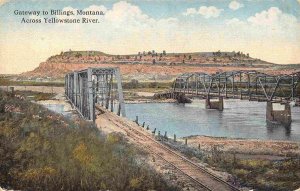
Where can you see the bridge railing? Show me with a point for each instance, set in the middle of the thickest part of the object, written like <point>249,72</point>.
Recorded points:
<point>251,84</point>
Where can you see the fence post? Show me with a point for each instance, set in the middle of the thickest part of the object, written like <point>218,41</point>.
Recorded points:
<point>154,131</point>
<point>165,136</point>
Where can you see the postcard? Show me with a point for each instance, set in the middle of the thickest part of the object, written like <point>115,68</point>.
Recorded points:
<point>150,95</point>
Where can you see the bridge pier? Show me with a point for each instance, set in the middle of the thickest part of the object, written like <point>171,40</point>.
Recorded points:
<point>219,105</point>
<point>278,117</point>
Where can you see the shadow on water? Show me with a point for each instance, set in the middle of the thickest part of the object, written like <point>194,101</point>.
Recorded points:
<point>279,129</point>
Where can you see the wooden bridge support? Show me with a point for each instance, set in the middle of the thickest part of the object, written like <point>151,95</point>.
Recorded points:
<point>278,117</point>
<point>219,105</point>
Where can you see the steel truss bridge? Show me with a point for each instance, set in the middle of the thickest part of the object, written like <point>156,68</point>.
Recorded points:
<point>92,86</point>
<point>252,85</point>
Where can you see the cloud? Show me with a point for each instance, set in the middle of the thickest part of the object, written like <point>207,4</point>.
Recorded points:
<point>209,12</point>
<point>272,22</point>
<point>125,29</point>
<point>235,5</point>
<point>126,12</point>
<point>273,17</point>
<point>234,21</point>
<point>191,11</point>
<point>206,12</point>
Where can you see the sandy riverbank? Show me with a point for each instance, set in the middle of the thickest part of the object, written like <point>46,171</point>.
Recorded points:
<point>150,101</point>
<point>261,148</point>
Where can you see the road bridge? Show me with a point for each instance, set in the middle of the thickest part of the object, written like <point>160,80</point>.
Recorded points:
<point>244,84</point>
<point>86,88</point>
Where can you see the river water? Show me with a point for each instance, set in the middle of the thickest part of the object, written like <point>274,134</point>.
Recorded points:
<point>240,119</point>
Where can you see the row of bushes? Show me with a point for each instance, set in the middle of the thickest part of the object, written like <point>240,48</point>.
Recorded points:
<point>41,150</point>
<point>134,84</point>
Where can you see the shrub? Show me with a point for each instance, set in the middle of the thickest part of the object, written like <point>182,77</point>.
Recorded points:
<point>41,150</point>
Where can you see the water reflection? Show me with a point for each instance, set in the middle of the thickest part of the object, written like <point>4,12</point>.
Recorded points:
<point>58,107</point>
<point>240,119</point>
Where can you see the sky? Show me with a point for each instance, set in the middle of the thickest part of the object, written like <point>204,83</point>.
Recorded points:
<point>266,29</point>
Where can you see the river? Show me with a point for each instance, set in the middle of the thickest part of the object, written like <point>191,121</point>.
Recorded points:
<point>240,119</point>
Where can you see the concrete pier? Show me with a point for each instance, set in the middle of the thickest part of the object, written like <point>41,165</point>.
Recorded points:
<point>219,105</point>
<point>280,116</point>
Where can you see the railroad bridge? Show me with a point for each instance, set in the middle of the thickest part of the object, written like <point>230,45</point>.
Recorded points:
<point>87,88</point>
<point>251,85</point>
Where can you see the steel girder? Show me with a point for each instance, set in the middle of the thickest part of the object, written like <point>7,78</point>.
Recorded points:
<point>249,84</point>
<point>92,86</point>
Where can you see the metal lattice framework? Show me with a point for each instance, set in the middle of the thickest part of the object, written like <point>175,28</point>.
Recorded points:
<point>92,86</point>
<point>253,85</point>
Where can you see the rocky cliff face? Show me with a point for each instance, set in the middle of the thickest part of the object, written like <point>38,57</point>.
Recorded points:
<point>151,67</point>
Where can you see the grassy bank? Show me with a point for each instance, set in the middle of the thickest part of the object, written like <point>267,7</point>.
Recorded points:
<point>6,81</point>
<point>35,96</point>
<point>41,150</point>
<point>253,173</point>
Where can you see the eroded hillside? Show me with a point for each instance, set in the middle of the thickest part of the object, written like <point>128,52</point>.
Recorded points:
<point>146,65</point>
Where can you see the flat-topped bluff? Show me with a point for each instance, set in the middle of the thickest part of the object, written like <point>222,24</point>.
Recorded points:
<point>146,65</point>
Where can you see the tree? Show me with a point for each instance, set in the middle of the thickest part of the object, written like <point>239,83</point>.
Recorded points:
<point>78,55</point>
<point>153,61</point>
<point>164,52</point>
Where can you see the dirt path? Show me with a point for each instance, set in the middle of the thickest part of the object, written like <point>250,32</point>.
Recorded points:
<point>198,176</point>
